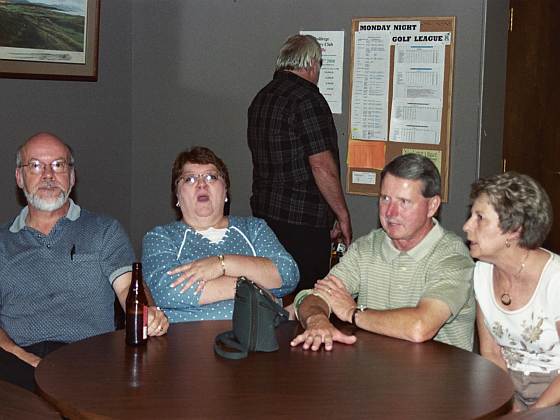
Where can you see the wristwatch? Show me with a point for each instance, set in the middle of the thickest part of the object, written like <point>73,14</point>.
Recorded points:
<point>359,308</point>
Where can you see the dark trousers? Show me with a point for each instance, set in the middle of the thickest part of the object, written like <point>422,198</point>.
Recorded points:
<point>17,372</point>
<point>309,246</point>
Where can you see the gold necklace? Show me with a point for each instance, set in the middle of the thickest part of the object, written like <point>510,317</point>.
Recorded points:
<point>506,298</point>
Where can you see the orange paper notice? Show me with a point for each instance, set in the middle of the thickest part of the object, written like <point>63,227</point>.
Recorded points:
<point>366,154</point>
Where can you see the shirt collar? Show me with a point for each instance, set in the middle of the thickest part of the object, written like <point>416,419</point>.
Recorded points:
<point>19,222</point>
<point>279,74</point>
<point>390,252</point>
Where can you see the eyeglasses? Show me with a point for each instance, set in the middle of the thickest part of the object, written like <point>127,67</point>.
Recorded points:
<point>207,177</point>
<point>58,166</point>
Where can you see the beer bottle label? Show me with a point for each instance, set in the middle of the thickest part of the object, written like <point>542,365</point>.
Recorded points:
<point>144,322</point>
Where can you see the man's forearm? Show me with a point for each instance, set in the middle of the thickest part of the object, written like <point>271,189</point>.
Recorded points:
<point>416,324</point>
<point>399,323</point>
<point>312,306</point>
<point>121,285</point>
<point>7,344</point>
<point>326,177</point>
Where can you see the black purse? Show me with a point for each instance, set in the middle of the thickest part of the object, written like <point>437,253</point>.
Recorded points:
<point>256,314</point>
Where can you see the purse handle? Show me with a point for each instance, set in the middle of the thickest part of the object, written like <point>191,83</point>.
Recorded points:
<point>228,339</point>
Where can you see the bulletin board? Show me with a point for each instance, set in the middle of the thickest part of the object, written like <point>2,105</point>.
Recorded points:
<point>401,78</point>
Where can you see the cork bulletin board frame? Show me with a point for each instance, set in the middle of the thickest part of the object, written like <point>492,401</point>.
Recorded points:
<point>410,109</point>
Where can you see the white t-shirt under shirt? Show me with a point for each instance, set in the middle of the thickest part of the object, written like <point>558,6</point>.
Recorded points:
<point>528,335</point>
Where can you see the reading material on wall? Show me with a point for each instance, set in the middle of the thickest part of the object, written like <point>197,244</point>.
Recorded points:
<point>401,75</point>
<point>330,77</point>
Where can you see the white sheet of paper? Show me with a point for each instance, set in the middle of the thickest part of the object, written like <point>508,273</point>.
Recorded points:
<point>417,93</point>
<point>370,90</point>
<point>363,177</point>
<point>330,78</point>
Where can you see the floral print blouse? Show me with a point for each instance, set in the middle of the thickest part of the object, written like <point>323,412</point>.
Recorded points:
<point>527,336</point>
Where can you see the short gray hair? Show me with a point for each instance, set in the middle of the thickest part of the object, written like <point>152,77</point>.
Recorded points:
<point>298,52</point>
<point>415,167</point>
<point>521,203</point>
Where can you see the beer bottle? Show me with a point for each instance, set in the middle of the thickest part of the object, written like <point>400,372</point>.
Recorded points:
<point>337,251</point>
<point>136,309</point>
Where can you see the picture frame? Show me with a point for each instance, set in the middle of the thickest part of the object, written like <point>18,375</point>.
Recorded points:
<point>52,64</point>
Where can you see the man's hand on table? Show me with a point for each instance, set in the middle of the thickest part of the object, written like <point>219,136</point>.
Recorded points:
<point>158,324</point>
<point>320,331</point>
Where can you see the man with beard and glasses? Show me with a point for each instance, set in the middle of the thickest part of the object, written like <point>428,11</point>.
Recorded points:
<point>412,278</point>
<point>60,265</point>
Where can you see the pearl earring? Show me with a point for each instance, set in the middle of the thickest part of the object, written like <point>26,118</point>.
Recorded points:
<point>507,243</point>
<point>226,200</point>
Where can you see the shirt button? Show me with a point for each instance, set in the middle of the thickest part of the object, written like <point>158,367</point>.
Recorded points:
<point>48,246</point>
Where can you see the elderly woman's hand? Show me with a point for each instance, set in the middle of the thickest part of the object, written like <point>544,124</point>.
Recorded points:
<point>202,270</point>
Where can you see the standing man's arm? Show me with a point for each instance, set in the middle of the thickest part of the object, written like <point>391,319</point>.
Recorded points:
<point>325,173</point>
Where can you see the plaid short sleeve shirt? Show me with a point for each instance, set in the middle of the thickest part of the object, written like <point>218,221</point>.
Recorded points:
<point>288,121</point>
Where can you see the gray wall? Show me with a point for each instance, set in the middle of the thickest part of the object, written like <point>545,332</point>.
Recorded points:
<point>198,64</point>
<point>94,118</point>
<point>177,73</point>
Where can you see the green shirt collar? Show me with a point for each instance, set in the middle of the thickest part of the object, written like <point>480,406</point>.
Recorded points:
<point>419,251</point>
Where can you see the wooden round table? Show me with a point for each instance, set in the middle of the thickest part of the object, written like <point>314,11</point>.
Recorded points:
<point>180,376</point>
<point>19,403</point>
<point>548,413</point>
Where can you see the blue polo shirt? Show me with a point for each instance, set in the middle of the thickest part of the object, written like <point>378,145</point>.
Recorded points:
<point>58,287</point>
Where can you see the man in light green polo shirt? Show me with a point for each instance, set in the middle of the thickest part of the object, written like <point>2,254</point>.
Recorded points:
<point>412,278</point>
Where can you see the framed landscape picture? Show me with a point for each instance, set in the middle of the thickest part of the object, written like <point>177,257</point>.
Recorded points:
<point>49,39</point>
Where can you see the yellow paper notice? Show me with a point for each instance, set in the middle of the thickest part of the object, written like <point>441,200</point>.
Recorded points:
<point>433,155</point>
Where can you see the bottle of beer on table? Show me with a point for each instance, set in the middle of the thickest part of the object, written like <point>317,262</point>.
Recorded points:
<point>136,309</point>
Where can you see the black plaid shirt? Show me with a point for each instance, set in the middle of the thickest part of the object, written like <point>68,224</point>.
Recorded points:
<point>289,120</point>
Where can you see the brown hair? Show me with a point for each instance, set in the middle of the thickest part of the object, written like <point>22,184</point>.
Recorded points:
<point>201,156</point>
<point>521,203</point>
<point>415,167</point>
